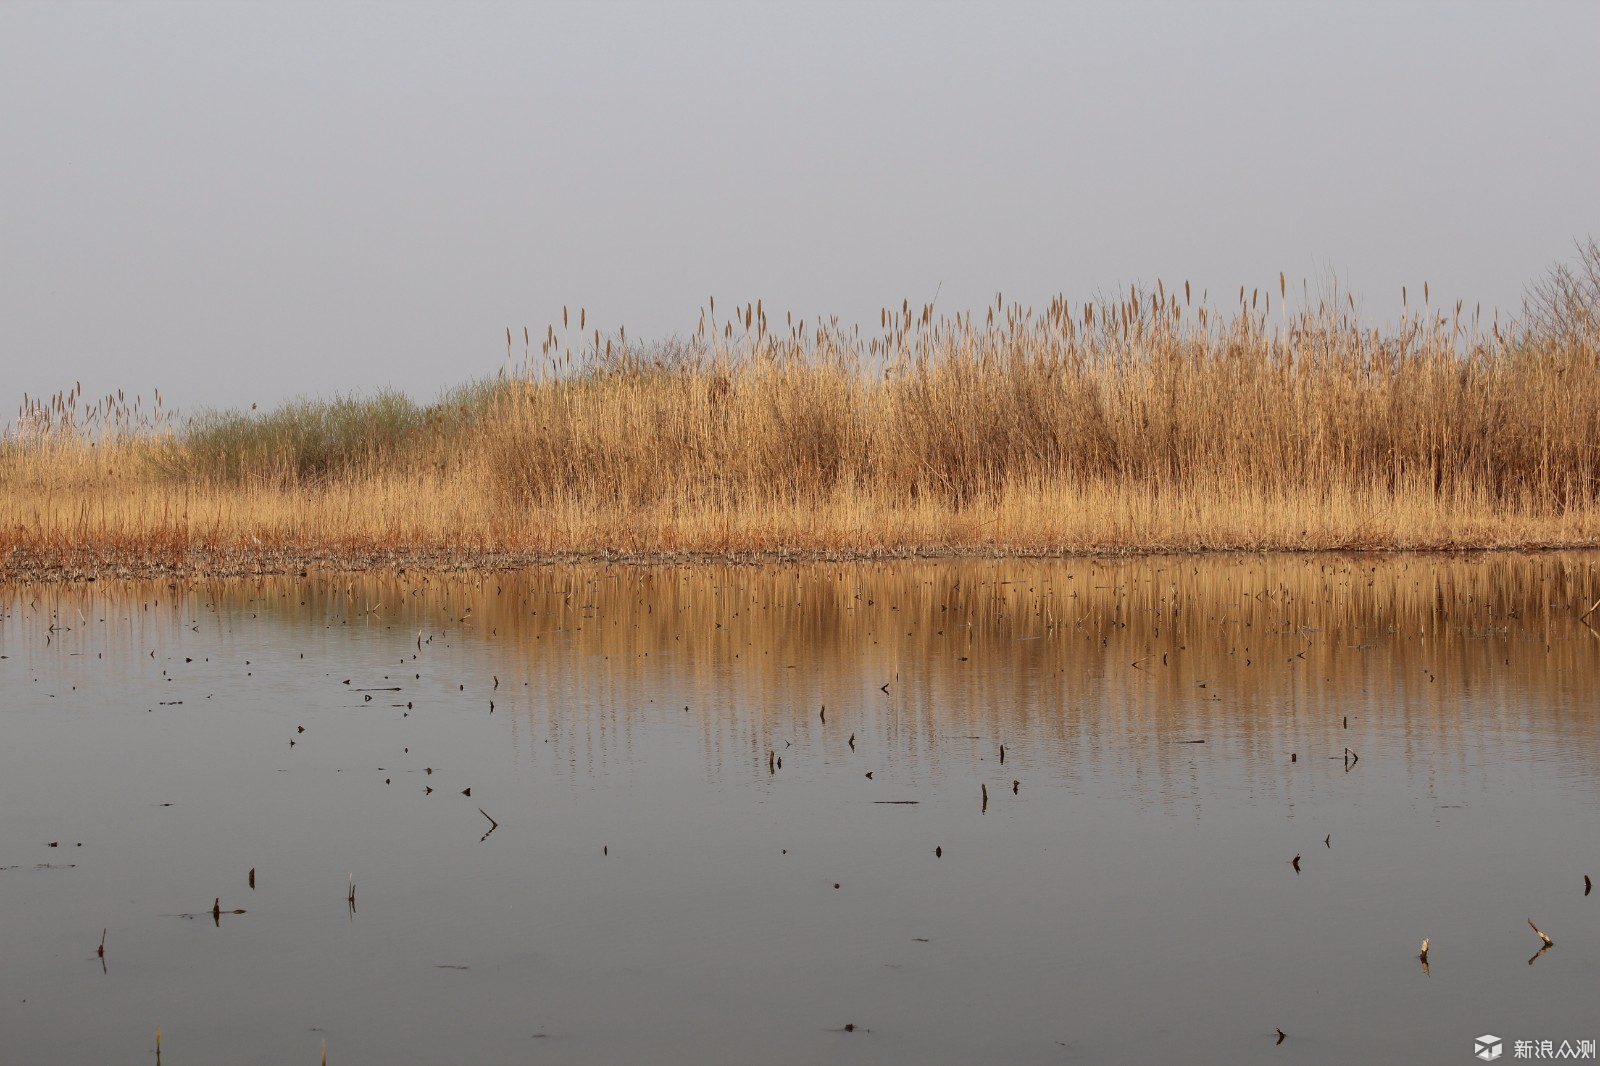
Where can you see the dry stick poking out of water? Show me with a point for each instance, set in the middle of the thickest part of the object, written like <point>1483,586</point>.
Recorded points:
<point>1590,611</point>
<point>1281,1035</point>
<point>252,878</point>
<point>1546,946</point>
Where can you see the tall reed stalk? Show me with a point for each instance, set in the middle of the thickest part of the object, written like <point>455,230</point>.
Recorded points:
<point>1143,422</point>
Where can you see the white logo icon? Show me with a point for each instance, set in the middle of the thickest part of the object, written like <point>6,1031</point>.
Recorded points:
<point>1487,1048</point>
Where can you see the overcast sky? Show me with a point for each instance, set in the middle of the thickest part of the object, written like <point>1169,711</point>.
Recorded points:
<point>240,203</point>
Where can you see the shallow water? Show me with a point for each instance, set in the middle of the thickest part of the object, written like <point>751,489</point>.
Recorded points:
<point>660,889</point>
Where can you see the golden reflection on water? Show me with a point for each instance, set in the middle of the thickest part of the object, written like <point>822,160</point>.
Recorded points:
<point>1270,654</point>
<point>1225,887</point>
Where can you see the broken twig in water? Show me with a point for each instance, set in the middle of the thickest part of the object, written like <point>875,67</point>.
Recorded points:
<point>1546,946</point>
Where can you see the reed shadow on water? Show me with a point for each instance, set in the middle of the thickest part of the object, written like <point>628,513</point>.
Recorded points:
<point>846,904</point>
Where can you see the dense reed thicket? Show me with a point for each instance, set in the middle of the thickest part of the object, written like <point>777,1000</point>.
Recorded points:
<point>1141,423</point>
<point>1134,394</point>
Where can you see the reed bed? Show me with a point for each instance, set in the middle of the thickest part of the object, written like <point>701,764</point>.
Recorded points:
<point>1143,423</point>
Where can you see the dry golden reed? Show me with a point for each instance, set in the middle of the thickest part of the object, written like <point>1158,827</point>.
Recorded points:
<point>1143,423</point>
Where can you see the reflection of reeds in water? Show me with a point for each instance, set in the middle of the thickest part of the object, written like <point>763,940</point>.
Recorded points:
<point>1136,422</point>
<point>1271,654</point>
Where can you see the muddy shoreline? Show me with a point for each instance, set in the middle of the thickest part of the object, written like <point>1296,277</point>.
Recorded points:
<point>89,564</point>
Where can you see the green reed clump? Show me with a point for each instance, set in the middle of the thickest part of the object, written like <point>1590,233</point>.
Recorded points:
<point>300,441</point>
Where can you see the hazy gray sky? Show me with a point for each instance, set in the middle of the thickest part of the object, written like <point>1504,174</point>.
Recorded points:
<point>239,203</point>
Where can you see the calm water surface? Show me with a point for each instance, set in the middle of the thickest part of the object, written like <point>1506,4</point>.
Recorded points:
<point>1119,886</point>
